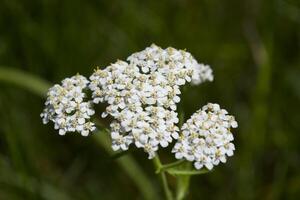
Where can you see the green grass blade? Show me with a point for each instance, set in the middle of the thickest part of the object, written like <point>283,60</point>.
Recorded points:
<point>24,80</point>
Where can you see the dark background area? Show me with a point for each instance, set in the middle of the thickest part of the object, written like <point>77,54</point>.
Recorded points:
<point>253,47</point>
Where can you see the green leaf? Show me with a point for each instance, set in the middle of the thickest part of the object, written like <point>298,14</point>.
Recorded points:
<point>24,80</point>
<point>177,172</point>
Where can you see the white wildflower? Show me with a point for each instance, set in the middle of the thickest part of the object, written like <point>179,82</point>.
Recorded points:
<point>142,105</point>
<point>178,66</point>
<point>66,107</point>
<point>142,95</point>
<point>206,139</point>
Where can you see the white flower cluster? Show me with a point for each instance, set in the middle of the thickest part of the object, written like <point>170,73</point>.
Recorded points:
<point>206,139</point>
<point>140,105</point>
<point>66,107</point>
<point>142,95</point>
<point>178,66</point>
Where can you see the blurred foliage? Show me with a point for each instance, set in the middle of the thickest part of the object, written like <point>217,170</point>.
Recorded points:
<point>253,47</point>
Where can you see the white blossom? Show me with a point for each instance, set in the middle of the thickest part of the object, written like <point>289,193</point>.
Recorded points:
<point>67,108</point>
<point>178,66</point>
<point>206,138</point>
<point>142,95</point>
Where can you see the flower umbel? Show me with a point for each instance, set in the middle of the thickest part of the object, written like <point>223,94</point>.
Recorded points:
<point>140,104</point>
<point>179,66</point>
<point>206,139</point>
<point>66,107</point>
<point>142,95</point>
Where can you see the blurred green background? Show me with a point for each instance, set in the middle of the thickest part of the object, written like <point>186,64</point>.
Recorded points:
<point>253,47</point>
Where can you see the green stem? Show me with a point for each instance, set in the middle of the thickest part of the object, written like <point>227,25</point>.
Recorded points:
<point>168,166</point>
<point>183,180</point>
<point>183,183</point>
<point>167,191</point>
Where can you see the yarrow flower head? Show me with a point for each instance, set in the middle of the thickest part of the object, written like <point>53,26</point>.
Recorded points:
<point>142,95</point>
<point>67,108</point>
<point>178,66</point>
<point>206,138</point>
